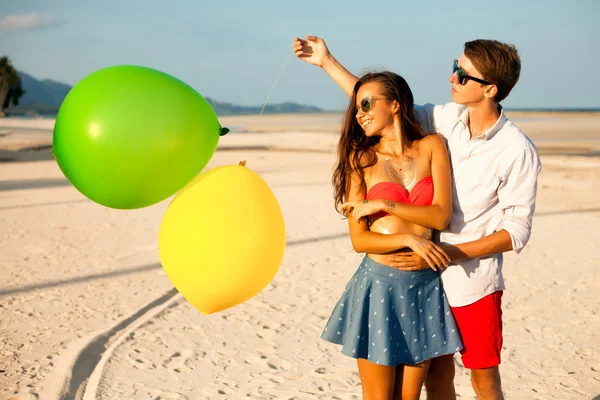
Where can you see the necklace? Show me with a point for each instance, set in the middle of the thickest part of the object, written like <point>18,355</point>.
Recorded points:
<point>404,174</point>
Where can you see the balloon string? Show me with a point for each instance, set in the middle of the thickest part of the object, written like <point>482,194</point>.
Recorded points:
<point>287,57</point>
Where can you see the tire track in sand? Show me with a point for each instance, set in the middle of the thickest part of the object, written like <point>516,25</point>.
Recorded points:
<point>79,371</point>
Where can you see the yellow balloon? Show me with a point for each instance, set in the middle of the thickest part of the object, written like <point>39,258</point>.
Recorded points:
<point>222,238</point>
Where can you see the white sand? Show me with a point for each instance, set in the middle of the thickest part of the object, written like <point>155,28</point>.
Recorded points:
<point>74,271</point>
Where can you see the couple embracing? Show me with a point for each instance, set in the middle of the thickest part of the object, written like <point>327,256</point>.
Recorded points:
<point>434,195</point>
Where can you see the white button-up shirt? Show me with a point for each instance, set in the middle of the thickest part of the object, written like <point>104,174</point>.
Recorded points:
<point>494,187</point>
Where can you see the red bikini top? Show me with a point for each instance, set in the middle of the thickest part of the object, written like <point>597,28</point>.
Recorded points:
<point>420,195</point>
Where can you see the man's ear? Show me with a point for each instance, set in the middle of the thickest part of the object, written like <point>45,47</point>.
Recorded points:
<point>491,91</point>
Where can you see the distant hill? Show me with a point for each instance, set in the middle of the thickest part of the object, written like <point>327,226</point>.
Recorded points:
<point>44,93</point>
<point>45,97</point>
<point>222,108</point>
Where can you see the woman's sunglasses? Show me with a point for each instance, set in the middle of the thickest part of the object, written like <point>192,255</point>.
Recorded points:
<point>367,104</point>
<point>463,77</point>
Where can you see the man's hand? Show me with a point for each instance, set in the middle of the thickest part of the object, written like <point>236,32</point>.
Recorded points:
<point>496,243</point>
<point>312,50</point>
<point>408,261</point>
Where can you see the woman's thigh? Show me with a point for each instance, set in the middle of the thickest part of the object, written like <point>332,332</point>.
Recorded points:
<point>409,381</point>
<point>377,380</point>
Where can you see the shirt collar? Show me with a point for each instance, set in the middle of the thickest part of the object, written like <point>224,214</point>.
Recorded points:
<point>464,118</point>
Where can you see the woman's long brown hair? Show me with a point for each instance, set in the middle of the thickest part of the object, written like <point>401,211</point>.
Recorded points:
<point>355,149</point>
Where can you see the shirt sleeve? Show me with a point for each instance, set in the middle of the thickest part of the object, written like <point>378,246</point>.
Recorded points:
<point>425,116</point>
<point>438,118</point>
<point>516,194</point>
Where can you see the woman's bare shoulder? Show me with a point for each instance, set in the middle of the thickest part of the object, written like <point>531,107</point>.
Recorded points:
<point>433,140</point>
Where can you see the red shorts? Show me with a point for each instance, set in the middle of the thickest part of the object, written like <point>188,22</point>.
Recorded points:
<point>480,326</point>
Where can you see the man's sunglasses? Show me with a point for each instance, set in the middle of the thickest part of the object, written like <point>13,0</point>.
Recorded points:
<point>367,104</point>
<point>463,77</point>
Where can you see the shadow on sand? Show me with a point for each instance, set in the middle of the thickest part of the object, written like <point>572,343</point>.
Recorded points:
<point>133,270</point>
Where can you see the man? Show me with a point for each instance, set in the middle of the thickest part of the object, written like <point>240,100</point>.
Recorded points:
<point>495,169</point>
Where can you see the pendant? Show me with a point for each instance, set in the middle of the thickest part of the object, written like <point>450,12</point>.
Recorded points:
<point>404,174</point>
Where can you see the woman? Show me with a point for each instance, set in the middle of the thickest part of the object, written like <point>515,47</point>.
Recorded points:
<point>393,322</point>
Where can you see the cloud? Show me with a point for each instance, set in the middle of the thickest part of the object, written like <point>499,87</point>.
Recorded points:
<point>27,22</point>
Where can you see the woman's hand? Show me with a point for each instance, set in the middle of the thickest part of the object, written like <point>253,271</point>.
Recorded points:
<point>360,209</point>
<point>433,254</point>
<point>312,50</point>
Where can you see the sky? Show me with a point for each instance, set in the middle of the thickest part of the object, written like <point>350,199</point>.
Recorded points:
<point>232,50</point>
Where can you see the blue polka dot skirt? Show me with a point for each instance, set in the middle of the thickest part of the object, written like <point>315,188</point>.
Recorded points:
<point>392,317</point>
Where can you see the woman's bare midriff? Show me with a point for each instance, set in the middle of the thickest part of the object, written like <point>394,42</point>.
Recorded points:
<point>389,225</point>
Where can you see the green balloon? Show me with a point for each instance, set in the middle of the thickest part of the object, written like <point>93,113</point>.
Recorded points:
<point>129,136</point>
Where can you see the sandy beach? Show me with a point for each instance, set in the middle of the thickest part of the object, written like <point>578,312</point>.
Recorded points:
<point>87,312</point>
